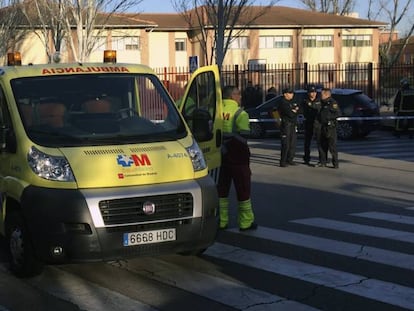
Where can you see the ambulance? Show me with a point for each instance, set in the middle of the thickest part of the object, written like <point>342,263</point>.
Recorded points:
<point>97,163</point>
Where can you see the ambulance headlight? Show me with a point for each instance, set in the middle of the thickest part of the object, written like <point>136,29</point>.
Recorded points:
<point>48,166</point>
<point>197,157</point>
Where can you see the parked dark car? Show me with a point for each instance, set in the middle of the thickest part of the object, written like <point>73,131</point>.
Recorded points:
<point>264,118</point>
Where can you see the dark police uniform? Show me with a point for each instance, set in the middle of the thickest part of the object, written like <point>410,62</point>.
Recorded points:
<point>288,111</point>
<point>328,138</point>
<point>311,109</point>
<point>404,107</point>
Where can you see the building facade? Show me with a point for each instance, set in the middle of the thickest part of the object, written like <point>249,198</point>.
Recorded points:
<point>281,35</point>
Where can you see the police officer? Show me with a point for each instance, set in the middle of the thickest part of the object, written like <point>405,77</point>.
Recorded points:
<point>404,108</point>
<point>327,118</point>
<point>235,161</point>
<point>288,111</point>
<point>311,107</point>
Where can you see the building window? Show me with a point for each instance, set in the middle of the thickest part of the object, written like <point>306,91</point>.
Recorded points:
<point>356,40</point>
<point>239,43</point>
<point>275,42</point>
<point>180,44</point>
<point>317,41</point>
<point>125,43</point>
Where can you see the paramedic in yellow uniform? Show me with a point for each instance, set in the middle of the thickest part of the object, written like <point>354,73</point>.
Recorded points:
<point>236,161</point>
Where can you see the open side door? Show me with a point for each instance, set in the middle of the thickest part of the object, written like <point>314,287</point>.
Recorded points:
<point>201,107</point>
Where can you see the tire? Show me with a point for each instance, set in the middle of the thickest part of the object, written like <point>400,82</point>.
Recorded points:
<point>256,130</point>
<point>23,262</point>
<point>345,130</point>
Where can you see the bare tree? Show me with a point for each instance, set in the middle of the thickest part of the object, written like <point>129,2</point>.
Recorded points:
<point>45,20</point>
<point>11,32</point>
<point>340,7</point>
<point>79,22</point>
<point>396,12</point>
<point>215,23</point>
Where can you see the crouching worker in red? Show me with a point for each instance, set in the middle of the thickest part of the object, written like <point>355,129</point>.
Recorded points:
<point>236,161</point>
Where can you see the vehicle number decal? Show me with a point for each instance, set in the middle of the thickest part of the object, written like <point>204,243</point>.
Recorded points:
<point>148,237</point>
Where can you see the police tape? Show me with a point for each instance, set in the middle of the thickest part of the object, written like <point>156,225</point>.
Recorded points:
<point>375,118</point>
<point>345,118</point>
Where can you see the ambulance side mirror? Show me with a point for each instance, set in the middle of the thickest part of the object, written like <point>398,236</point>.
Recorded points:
<point>202,125</point>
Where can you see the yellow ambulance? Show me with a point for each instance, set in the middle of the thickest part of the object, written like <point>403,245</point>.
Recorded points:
<point>97,163</point>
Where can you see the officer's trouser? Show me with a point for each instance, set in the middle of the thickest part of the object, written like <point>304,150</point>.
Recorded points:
<point>317,133</point>
<point>288,142</point>
<point>240,175</point>
<point>307,140</point>
<point>404,125</point>
<point>245,213</point>
<point>329,142</point>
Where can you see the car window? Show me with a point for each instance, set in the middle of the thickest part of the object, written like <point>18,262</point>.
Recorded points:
<point>346,103</point>
<point>270,104</point>
<point>365,101</point>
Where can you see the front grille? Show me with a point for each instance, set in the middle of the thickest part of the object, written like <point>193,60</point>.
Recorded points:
<point>151,226</point>
<point>129,210</point>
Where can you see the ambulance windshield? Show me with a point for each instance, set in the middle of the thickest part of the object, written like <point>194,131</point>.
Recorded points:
<point>73,110</point>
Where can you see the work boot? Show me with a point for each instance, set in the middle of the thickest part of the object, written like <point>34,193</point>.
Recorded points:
<point>253,226</point>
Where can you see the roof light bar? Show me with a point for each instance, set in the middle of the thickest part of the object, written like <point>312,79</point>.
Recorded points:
<point>109,56</point>
<point>14,59</point>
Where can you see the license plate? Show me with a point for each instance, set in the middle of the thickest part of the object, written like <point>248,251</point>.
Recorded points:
<point>148,237</point>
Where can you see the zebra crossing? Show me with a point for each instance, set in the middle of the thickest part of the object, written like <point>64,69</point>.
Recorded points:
<point>382,146</point>
<point>190,275</point>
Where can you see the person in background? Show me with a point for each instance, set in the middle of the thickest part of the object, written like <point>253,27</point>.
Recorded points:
<point>311,107</point>
<point>404,107</point>
<point>249,96</point>
<point>252,95</point>
<point>235,166</point>
<point>271,92</point>
<point>288,111</point>
<point>327,118</point>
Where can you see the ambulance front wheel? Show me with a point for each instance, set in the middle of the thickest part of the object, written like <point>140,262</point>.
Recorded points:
<point>23,262</point>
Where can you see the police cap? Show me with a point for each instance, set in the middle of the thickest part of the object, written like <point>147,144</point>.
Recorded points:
<point>311,88</point>
<point>287,89</point>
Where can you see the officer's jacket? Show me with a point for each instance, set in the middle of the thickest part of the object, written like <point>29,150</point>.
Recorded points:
<point>236,126</point>
<point>235,119</point>
<point>285,110</point>
<point>311,108</point>
<point>399,103</point>
<point>329,112</point>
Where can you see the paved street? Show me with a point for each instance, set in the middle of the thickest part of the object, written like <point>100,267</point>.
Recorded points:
<point>327,240</point>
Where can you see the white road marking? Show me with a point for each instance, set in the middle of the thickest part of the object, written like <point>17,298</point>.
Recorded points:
<point>387,217</point>
<point>86,295</point>
<point>359,285</point>
<point>343,226</point>
<point>225,291</point>
<point>367,253</point>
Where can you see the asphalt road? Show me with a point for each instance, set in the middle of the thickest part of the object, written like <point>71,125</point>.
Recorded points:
<point>327,239</point>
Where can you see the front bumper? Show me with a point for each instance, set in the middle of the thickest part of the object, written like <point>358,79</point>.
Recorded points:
<point>73,221</point>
